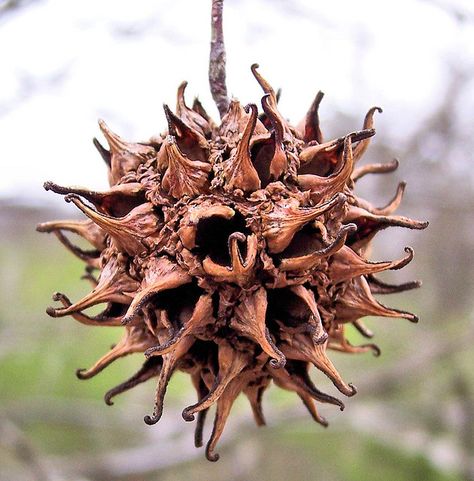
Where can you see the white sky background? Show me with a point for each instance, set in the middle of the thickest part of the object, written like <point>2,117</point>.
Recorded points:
<point>64,64</point>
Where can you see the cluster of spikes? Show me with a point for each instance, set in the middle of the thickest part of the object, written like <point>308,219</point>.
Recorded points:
<point>236,253</point>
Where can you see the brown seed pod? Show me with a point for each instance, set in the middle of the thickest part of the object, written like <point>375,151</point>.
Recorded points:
<point>235,253</point>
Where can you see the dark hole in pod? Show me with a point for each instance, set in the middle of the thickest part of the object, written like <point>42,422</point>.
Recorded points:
<point>262,155</point>
<point>198,355</point>
<point>365,229</point>
<point>324,166</point>
<point>179,303</point>
<point>212,237</point>
<point>215,304</point>
<point>114,309</point>
<point>286,307</point>
<point>225,152</point>
<point>120,207</point>
<point>204,353</point>
<point>296,367</point>
<point>304,242</point>
<point>159,213</point>
<point>191,149</point>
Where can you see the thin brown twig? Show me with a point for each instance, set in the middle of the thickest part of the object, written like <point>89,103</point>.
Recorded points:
<point>217,59</point>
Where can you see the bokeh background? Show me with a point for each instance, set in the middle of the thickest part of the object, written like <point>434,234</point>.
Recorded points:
<point>65,63</point>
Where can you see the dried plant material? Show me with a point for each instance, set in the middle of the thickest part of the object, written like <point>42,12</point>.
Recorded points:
<point>236,253</point>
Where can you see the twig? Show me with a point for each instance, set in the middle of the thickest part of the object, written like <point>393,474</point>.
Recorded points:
<point>217,59</point>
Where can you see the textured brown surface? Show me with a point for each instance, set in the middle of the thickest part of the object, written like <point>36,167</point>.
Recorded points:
<point>235,253</point>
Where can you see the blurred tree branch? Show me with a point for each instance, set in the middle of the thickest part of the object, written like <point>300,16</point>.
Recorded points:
<point>10,6</point>
<point>461,15</point>
<point>15,441</point>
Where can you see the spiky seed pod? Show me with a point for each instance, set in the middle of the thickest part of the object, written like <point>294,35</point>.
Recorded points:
<point>236,253</point>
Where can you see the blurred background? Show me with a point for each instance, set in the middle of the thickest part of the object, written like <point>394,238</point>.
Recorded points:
<point>63,64</point>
